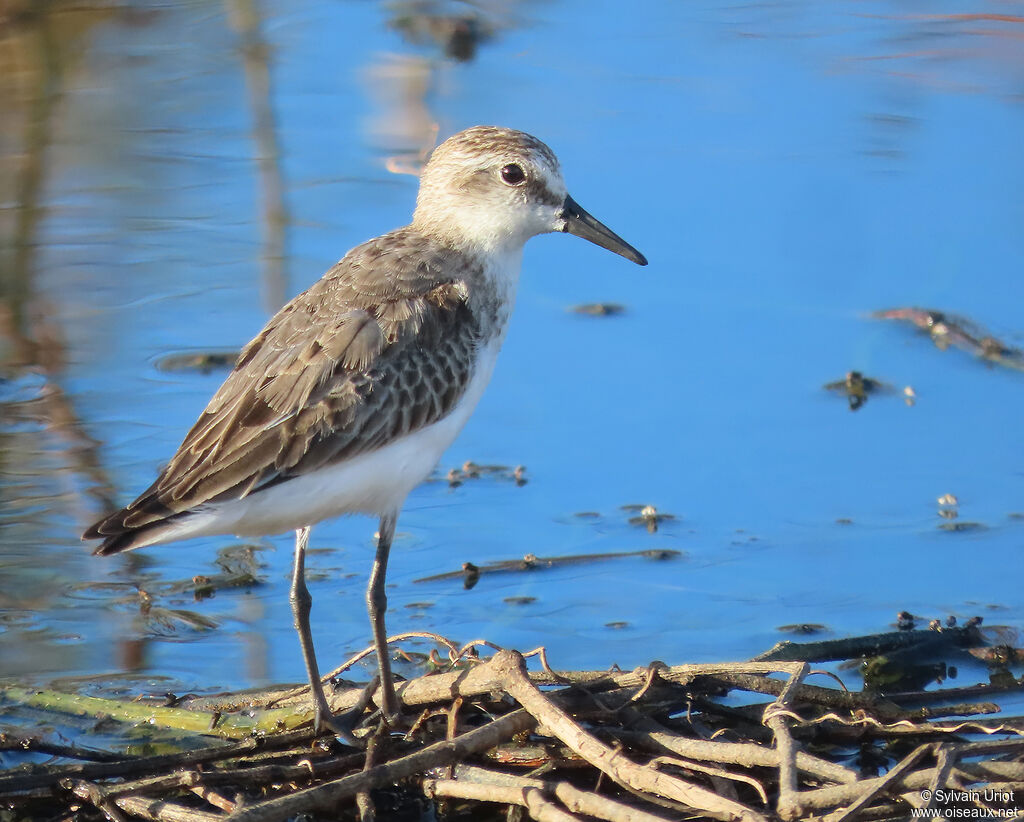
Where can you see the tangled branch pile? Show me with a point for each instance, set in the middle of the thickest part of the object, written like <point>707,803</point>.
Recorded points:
<point>494,740</point>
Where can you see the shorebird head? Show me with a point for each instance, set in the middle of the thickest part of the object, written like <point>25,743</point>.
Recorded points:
<point>493,188</point>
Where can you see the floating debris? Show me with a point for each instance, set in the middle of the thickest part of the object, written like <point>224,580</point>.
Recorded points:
<point>203,362</point>
<point>519,600</point>
<point>948,330</point>
<point>957,526</point>
<point>236,573</point>
<point>167,622</point>
<point>803,628</point>
<point>905,621</point>
<point>457,35</point>
<point>473,471</point>
<point>470,575</point>
<point>240,559</point>
<point>948,506</point>
<point>531,562</point>
<point>649,517</point>
<point>616,626</point>
<point>204,587</point>
<point>1001,656</point>
<point>598,309</point>
<point>915,645</point>
<point>856,388</point>
<point>885,675</point>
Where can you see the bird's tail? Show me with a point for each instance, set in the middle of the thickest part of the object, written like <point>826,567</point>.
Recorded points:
<point>144,522</point>
<point>131,538</point>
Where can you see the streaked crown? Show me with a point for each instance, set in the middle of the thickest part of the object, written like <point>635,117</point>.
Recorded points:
<point>490,188</point>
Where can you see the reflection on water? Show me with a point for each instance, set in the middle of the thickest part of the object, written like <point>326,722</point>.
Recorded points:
<point>172,173</point>
<point>244,16</point>
<point>457,30</point>
<point>52,467</point>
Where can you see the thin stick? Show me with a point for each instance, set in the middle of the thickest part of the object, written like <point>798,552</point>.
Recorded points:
<point>585,802</point>
<point>600,807</point>
<point>608,761</point>
<point>835,795</point>
<point>216,799</point>
<point>364,803</point>
<point>745,754</point>
<point>302,690</point>
<point>94,795</point>
<point>689,764</point>
<point>523,790</point>
<point>891,779</point>
<point>157,810</point>
<point>775,716</point>
<point>943,766</point>
<point>543,809</point>
<point>433,756</point>
<point>10,783</point>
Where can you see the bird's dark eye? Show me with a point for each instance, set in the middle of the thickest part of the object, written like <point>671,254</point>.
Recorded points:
<point>513,174</point>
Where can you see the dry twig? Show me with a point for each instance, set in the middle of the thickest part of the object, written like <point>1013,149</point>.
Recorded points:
<point>616,728</point>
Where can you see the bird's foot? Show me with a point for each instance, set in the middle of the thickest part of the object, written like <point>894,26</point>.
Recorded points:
<point>343,724</point>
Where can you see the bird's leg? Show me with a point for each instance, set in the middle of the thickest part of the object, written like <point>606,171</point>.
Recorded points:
<point>377,605</point>
<point>302,603</point>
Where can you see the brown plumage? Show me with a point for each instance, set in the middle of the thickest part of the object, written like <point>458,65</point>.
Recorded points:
<point>323,382</point>
<point>349,396</point>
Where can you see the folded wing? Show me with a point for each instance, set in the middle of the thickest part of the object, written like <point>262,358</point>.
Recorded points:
<point>348,366</point>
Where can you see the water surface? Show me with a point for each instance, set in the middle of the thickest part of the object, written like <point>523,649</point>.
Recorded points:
<point>173,172</point>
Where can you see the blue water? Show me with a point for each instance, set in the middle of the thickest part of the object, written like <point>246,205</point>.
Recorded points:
<point>787,168</point>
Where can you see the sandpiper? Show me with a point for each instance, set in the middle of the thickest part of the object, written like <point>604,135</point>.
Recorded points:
<point>349,396</point>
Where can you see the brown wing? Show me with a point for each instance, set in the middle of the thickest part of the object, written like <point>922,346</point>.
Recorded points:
<point>354,362</point>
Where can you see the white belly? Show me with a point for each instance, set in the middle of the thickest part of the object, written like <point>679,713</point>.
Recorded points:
<point>373,483</point>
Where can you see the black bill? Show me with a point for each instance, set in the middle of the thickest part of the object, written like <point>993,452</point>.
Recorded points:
<point>579,222</point>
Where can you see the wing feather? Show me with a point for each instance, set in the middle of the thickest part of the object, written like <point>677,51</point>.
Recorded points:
<point>337,372</point>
